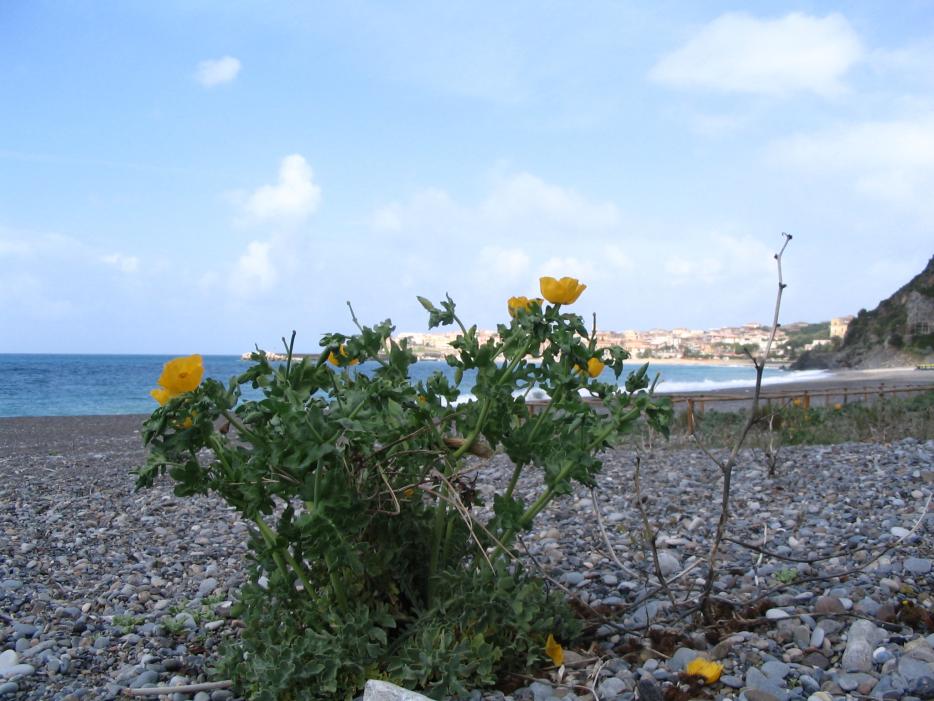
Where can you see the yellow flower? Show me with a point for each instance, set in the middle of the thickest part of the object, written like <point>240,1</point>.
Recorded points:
<point>333,359</point>
<point>563,291</point>
<point>178,376</point>
<point>594,367</point>
<point>181,375</point>
<point>838,406</point>
<point>161,395</point>
<point>515,304</point>
<point>554,650</point>
<point>709,671</point>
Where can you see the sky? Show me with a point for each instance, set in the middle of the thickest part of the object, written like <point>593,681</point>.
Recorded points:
<point>182,177</point>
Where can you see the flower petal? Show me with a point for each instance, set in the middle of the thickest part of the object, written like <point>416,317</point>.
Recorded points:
<point>709,671</point>
<point>181,375</point>
<point>554,650</point>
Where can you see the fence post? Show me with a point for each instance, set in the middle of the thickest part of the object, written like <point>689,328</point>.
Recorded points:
<point>806,401</point>
<point>690,416</point>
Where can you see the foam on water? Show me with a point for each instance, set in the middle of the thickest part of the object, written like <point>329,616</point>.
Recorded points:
<point>664,387</point>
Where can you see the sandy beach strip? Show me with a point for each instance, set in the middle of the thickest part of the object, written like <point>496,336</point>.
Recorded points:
<point>826,389</point>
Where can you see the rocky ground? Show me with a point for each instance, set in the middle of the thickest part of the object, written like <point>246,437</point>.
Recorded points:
<point>104,589</point>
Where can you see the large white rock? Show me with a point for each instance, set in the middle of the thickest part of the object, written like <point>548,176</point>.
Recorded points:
<point>10,667</point>
<point>384,691</point>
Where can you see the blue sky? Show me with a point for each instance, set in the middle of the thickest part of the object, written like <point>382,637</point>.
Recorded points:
<point>184,177</point>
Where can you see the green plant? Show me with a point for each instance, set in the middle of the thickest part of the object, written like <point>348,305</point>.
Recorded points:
<point>367,538</point>
<point>786,575</point>
<point>173,626</point>
<point>126,623</point>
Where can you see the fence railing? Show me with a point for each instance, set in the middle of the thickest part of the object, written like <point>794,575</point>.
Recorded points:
<point>697,402</point>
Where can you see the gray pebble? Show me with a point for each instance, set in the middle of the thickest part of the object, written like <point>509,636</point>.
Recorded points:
<point>918,565</point>
<point>147,677</point>
<point>611,687</point>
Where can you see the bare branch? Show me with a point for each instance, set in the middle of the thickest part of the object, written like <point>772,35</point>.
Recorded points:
<point>727,467</point>
<point>606,537</point>
<point>650,535</point>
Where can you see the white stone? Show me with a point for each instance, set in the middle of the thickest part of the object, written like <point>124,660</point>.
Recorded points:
<point>668,563</point>
<point>384,691</point>
<point>10,667</point>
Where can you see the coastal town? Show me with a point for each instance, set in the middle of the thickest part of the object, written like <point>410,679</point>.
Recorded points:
<point>726,343</point>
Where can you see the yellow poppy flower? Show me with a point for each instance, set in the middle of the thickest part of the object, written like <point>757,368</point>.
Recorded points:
<point>515,304</point>
<point>181,375</point>
<point>709,671</point>
<point>161,395</point>
<point>554,650</point>
<point>333,359</point>
<point>595,367</point>
<point>563,291</point>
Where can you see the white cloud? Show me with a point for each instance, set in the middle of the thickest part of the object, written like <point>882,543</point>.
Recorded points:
<point>617,258</point>
<point>560,266</point>
<point>891,161</point>
<point>217,71</point>
<point>14,248</point>
<point>295,197</point>
<point>738,53</point>
<point>254,271</point>
<point>125,264</point>
<point>26,292</point>
<point>520,207</point>
<point>721,257</point>
<point>524,197</point>
<point>506,264</point>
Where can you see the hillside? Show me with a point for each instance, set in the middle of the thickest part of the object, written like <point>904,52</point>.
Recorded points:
<point>898,332</point>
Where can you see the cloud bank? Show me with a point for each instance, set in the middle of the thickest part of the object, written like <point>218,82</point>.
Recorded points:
<point>218,71</point>
<point>739,53</point>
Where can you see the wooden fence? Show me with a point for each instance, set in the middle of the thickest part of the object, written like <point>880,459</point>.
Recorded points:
<point>697,402</point>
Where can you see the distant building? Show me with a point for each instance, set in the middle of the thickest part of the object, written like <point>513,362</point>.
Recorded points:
<point>818,343</point>
<point>839,325</point>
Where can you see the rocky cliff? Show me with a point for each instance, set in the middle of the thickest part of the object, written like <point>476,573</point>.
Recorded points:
<point>898,332</point>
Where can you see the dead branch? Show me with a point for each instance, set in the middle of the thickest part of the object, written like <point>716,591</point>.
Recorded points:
<point>726,467</point>
<point>649,535</point>
<point>606,537</point>
<point>183,689</point>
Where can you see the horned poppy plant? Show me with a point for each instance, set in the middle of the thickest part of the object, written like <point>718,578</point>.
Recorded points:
<point>161,395</point>
<point>517,304</point>
<point>563,291</point>
<point>334,360</point>
<point>595,367</point>
<point>709,671</point>
<point>179,375</point>
<point>554,650</point>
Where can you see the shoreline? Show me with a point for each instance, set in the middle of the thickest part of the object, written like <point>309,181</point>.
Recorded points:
<point>851,380</point>
<point>836,384</point>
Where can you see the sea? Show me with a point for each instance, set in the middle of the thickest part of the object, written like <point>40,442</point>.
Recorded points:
<point>76,385</point>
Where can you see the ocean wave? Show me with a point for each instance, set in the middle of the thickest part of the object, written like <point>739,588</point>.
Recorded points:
<point>739,383</point>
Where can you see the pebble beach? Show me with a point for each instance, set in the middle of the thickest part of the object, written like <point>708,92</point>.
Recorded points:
<point>104,589</point>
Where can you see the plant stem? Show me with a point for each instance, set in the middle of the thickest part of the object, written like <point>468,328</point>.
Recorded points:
<point>270,539</point>
<point>484,410</point>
